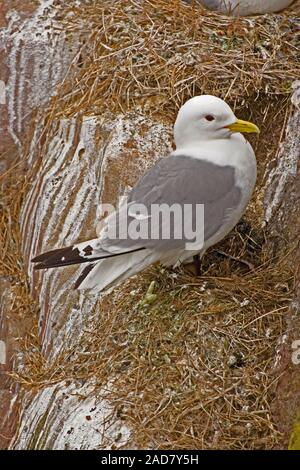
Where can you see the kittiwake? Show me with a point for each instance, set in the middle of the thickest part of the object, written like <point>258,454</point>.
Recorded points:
<point>213,167</point>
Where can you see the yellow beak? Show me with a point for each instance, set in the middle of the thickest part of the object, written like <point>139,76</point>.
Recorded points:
<point>243,126</point>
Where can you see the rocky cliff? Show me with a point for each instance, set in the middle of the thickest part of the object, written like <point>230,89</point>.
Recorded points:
<point>91,96</point>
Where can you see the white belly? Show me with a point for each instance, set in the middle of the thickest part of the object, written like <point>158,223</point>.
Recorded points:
<point>244,161</point>
<point>247,7</point>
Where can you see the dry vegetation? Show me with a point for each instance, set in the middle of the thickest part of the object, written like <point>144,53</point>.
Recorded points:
<point>12,191</point>
<point>196,368</point>
<point>14,283</point>
<point>158,53</point>
<point>192,370</point>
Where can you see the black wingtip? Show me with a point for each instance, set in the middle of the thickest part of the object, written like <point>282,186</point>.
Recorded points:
<point>49,254</point>
<point>83,275</point>
<point>36,259</point>
<point>68,256</point>
<point>39,266</point>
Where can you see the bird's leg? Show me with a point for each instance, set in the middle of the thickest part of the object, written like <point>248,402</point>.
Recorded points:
<point>149,297</point>
<point>197,264</point>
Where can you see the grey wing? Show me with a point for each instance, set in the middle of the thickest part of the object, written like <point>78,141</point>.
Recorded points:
<point>180,180</point>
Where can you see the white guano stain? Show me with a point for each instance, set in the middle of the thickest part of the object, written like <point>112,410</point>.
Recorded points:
<point>2,352</point>
<point>2,92</point>
<point>72,417</point>
<point>54,219</point>
<point>38,58</point>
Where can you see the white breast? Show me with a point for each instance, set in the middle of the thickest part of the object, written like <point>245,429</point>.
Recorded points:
<point>238,153</point>
<point>247,7</point>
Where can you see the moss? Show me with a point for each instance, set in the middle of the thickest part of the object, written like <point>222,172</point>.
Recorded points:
<point>294,443</point>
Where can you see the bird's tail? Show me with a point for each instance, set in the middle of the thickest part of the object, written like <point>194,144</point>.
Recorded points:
<point>109,272</point>
<point>98,259</point>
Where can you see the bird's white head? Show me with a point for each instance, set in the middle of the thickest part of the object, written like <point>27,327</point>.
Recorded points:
<point>207,117</point>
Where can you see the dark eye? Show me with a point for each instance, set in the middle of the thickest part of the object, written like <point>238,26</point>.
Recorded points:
<point>209,117</point>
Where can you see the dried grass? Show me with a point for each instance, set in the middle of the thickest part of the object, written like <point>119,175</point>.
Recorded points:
<point>13,278</point>
<point>11,195</point>
<point>196,368</point>
<point>157,53</point>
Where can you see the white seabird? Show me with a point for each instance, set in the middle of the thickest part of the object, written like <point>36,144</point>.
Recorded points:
<point>245,7</point>
<point>213,165</point>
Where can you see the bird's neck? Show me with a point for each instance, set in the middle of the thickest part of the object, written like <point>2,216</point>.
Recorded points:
<point>223,151</point>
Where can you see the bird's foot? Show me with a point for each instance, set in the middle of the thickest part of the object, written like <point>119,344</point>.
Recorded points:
<point>194,266</point>
<point>149,297</point>
<point>197,264</point>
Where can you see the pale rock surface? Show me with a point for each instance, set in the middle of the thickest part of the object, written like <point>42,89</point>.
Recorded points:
<point>88,162</point>
<point>282,215</point>
<point>34,58</point>
<point>69,416</point>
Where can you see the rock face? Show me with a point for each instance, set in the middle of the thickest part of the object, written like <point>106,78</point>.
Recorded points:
<point>282,214</point>
<point>92,161</point>
<point>86,163</point>
<point>83,162</point>
<point>68,416</point>
<point>8,390</point>
<point>34,56</point>
<point>246,7</point>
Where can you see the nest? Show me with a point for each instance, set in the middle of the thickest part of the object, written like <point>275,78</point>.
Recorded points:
<point>156,54</point>
<point>195,369</point>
